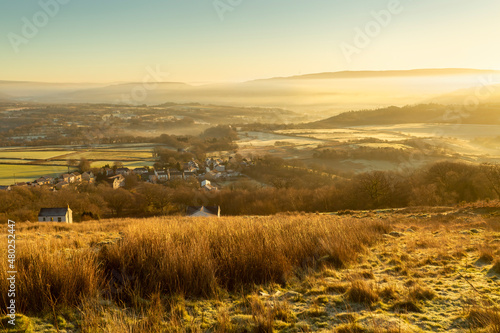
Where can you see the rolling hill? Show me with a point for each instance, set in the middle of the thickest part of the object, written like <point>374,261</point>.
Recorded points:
<point>488,114</point>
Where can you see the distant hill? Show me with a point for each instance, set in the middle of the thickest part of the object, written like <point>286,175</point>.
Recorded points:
<point>423,113</point>
<point>124,93</point>
<point>317,95</point>
<point>387,74</point>
<point>485,94</point>
<point>26,90</point>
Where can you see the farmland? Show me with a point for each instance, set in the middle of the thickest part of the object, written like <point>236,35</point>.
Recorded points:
<point>29,163</point>
<point>425,142</point>
<point>10,173</point>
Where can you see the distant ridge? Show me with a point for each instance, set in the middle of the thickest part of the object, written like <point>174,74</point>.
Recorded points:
<point>388,73</point>
<point>320,94</point>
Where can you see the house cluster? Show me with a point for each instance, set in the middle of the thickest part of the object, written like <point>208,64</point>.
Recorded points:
<point>213,169</point>
<point>56,182</point>
<point>216,169</point>
<point>207,173</point>
<point>70,178</point>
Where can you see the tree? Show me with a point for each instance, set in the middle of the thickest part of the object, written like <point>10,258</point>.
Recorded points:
<point>375,186</point>
<point>158,198</point>
<point>131,181</point>
<point>84,165</point>
<point>117,200</point>
<point>492,173</point>
<point>71,163</point>
<point>117,164</point>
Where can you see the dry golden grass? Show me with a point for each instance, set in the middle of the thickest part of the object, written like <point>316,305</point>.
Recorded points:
<point>284,274</point>
<point>362,292</point>
<point>48,279</point>
<point>192,257</point>
<point>198,257</point>
<point>486,253</point>
<point>486,318</point>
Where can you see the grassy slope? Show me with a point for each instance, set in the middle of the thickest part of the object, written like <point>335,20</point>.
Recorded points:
<point>435,272</point>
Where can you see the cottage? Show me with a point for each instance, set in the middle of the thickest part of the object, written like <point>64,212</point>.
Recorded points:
<point>207,186</point>
<point>56,215</point>
<point>45,180</point>
<point>77,177</point>
<point>140,171</point>
<point>162,175</point>
<point>175,174</point>
<point>123,171</point>
<point>108,171</point>
<point>61,185</point>
<point>88,177</point>
<point>41,181</point>
<point>202,211</point>
<point>116,181</point>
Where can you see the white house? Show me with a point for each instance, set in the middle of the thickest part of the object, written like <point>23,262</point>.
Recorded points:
<point>116,181</point>
<point>56,215</point>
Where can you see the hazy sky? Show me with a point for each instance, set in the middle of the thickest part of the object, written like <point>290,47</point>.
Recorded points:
<point>117,40</point>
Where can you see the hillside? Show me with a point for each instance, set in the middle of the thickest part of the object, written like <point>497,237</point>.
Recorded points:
<point>423,113</point>
<point>409,270</point>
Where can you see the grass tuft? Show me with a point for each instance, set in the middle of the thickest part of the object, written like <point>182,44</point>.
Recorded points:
<point>362,292</point>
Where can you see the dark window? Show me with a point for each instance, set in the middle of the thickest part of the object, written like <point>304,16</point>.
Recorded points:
<point>58,219</point>
<point>44,219</point>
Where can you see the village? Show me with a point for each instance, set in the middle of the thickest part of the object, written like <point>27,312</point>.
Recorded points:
<point>208,174</point>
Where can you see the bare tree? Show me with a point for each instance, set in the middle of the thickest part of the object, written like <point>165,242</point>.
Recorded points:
<point>492,173</point>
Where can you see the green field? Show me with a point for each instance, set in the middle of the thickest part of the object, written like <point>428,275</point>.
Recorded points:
<point>27,173</point>
<point>129,164</point>
<point>130,156</point>
<point>111,155</point>
<point>32,154</point>
<point>15,161</point>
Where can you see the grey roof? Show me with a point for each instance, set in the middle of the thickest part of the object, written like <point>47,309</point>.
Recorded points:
<point>53,212</point>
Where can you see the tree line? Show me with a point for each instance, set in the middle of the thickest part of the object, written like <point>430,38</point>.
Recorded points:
<point>442,183</point>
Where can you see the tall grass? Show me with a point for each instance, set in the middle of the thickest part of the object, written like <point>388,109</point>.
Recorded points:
<point>191,257</point>
<point>47,280</point>
<point>197,257</point>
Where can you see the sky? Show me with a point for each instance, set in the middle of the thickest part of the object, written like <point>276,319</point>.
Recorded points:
<point>201,41</point>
